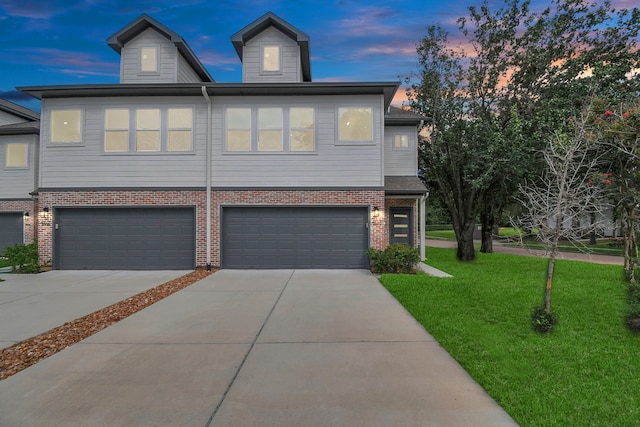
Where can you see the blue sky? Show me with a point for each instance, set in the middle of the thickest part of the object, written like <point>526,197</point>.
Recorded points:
<point>51,42</point>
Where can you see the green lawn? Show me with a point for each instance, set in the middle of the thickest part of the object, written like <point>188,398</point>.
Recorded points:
<point>586,373</point>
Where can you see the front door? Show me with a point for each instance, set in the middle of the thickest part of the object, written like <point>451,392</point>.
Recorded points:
<point>401,225</point>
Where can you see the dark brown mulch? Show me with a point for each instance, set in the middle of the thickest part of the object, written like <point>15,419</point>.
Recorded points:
<point>30,351</point>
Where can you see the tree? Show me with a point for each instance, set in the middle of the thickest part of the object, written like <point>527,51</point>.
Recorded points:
<point>560,202</point>
<point>539,65</point>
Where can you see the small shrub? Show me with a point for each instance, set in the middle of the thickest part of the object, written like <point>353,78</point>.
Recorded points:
<point>632,319</point>
<point>543,321</point>
<point>22,258</point>
<point>395,258</point>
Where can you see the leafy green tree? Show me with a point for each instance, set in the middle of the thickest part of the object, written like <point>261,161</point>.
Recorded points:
<point>492,109</point>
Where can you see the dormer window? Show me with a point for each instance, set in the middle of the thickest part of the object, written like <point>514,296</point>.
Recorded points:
<point>148,60</point>
<point>271,59</point>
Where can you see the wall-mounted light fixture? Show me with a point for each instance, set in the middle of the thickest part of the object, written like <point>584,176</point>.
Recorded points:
<point>26,214</point>
<point>376,212</point>
<point>45,210</point>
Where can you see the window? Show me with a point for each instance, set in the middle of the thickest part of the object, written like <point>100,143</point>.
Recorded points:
<point>354,124</point>
<point>301,133</point>
<point>148,130</point>
<point>65,126</point>
<point>179,129</point>
<point>271,58</point>
<point>148,60</point>
<point>269,129</point>
<point>401,141</point>
<point>116,130</point>
<point>238,129</point>
<point>16,155</point>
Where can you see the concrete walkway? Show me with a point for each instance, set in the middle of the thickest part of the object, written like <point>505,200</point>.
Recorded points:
<point>515,250</point>
<point>256,348</point>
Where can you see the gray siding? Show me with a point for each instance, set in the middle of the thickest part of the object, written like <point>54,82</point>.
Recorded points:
<point>185,72</point>
<point>252,58</point>
<point>7,118</point>
<point>87,166</point>
<point>18,183</point>
<point>400,162</point>
<point>130,62</point>
<point>330,165</point>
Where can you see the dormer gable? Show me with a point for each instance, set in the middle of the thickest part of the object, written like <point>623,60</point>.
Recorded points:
<point>272,50</point>
<point>11,113</point>
<point>152,53</point>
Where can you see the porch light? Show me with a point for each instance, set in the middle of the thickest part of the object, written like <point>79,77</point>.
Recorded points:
<point>45,210</point>
<point>376,212</point>
<point>26,214</point>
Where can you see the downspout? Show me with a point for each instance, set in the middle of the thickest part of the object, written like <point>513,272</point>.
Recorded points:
<point>209,173</point>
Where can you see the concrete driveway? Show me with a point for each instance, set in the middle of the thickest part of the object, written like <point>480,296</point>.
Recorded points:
<point>34,303</point>
<point>256,348</point>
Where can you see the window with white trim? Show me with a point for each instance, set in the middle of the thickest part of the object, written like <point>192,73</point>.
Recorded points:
<point>269,129</point>
<point>147,129</point>
<point>355,124</point>
<point>65,126</point>
<point>116,130</point>
<point>148,60</point>
<point>16,155</point>
<point>271,59</point>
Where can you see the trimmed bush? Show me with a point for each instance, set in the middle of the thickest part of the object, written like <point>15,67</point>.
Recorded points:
<point>22,258</point>
<point>543,321</point>
<point>395,258</point>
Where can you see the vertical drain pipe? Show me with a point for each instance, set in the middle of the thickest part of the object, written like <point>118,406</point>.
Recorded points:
<point>208,185</point>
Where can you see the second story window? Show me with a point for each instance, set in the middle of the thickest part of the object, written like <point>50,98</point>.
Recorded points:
<point>238,122</point>
<point>116,130</point>
<point>179,129</point>
<point>400,141</point>
<point>16,155</point>
<point>148,60</point>
<point>65,126</point>
<point>269,129</point>
<point>355,125</point>
<point>301,129</point>
<point>148,129</point>
<point>271,58</point>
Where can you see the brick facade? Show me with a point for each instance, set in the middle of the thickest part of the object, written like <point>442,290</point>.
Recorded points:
<point>29,222</point>
<point>366,198</point>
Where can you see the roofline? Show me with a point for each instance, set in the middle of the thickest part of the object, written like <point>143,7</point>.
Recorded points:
<point>144,21</point>
<point>240,38</point>
<point>20,131</point>
<point>18,110</point>
<point>388,89</point>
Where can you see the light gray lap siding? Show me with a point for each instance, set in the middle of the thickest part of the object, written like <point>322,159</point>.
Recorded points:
<point>130,61</point>
<point>17,183</point>
<point>290,58</point>
<point>185,72</point>
<point>7,118</point>
<point>400,162</point>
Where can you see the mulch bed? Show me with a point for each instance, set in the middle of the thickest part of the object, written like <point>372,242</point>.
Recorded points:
<point>30,351</point>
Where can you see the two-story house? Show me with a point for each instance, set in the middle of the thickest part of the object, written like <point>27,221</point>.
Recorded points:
<point>169,169</point>
<point>19,128</point>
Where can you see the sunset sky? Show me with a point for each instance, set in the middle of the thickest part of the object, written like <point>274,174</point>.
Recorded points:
<point>51,42</point>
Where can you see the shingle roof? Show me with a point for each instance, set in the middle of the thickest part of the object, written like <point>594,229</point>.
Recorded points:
<point>144,21</point>
<point>270,19</point>
<point>404,185</point>
<point>24,128</point>
<point>399,117</point>
<point>18,110</point>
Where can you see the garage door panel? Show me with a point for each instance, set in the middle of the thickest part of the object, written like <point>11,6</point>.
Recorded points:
<point>125,238</point>
<point>11,229</point>
<point>294,237</point>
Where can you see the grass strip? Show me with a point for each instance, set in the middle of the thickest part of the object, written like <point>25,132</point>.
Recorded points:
<point>583,374</point>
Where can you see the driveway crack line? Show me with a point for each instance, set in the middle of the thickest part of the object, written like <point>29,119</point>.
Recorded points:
<point>244,359</point>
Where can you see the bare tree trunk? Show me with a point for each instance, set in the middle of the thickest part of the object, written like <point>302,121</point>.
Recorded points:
<point>487,223</point>
<point>466,249</point>
<point>547,293</point>
<point>630,247</point>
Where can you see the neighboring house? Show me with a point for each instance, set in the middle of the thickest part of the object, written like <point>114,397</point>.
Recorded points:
<point>170,169</point>
<point>19,128</point>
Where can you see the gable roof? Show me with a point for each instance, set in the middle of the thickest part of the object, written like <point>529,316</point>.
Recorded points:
<point>144,21</point>
<point>24,128</point>
<point>18,110</point>
<point>270,19</point>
